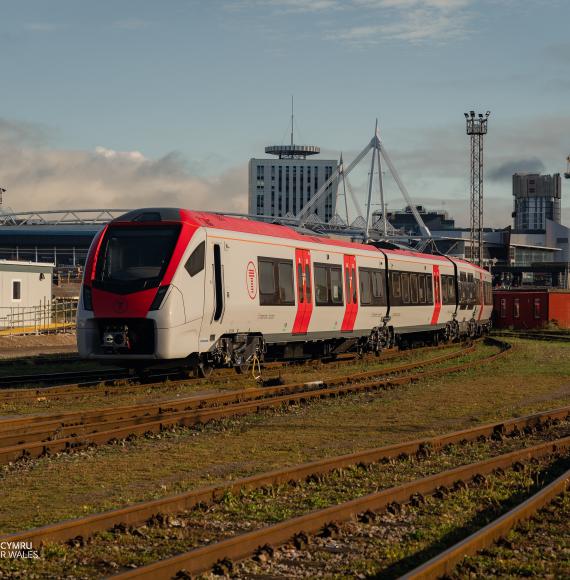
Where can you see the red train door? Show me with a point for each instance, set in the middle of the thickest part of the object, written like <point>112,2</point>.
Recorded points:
<point>351,295</point>
<point>481,296</point>
<point>436,295</point>
<point>304,291</point>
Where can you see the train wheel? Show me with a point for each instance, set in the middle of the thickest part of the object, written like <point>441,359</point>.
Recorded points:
<point>203,370</point>
<point>243,369</point>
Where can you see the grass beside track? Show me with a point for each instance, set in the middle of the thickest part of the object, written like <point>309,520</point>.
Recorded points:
<point>532,378</point>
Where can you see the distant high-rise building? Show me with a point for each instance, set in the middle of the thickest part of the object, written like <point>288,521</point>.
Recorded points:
<point>404,220</point>
<point>537,198</point>
<point>283,186</point>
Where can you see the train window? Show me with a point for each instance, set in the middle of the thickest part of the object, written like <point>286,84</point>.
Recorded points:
<point>414,288</point>
<point>218,283</point>
<point>444,287</point>
<point>429,288</point>
<point>347,285</point>
<point>503,308</point>
<point>405,287</point>
<point>308,283</point>
<point>354,297</point>
<point>462,288</point>
<point>134,258</point>
<point>451,289</point>
<point>365,287</point>
<point>421,289</point>
<point>300,282</point>
<point>488,293</point>
<point>195,263</point>
<point>336,285</point>
<point>321,287</point>
<point>276,286</point>
<point>371,287</point>
<point>378,291</point>
<point>266,278</point>
<point>285,280</point>
<point>328,285</point>
<point>396,288</point>
<point>516,308</point>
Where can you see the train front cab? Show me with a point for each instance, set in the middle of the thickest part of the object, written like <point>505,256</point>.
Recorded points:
<point>143,293</point>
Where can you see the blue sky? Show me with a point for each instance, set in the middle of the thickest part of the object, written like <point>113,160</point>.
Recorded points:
<point>132,102</point>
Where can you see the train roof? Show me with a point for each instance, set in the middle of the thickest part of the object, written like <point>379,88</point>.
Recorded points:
<point>244,225</point>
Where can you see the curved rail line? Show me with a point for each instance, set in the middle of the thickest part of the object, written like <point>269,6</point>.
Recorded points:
<point>90,377</point>
<point>244,545</point>
<point>33,436</point>
<point>444,563</point>
<point>89,382</point>
<point>85,376</point>
<point>74,390</point>
<point>530,335</point>
<point>141,512</point>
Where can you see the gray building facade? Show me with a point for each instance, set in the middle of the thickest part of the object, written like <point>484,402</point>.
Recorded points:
<point>282,186</point>
<point>536,199</point>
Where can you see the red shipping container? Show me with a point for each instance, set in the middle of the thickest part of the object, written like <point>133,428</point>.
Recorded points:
<point>524,309</point>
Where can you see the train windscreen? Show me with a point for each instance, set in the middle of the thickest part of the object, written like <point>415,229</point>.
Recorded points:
<point>134,258</point>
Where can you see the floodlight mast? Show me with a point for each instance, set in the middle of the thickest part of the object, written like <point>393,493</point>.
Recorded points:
<point>476,126</point>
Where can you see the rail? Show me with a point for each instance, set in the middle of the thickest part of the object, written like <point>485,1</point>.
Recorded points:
<point>34,436</point>
<point>139,513</point>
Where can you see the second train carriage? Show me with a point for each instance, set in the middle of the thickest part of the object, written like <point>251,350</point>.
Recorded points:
<point>172,286</point>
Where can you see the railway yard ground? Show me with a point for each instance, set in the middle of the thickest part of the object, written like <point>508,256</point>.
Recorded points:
<point>389,540</point>
<point>33,345</point>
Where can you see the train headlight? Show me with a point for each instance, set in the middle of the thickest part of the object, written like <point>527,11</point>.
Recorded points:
<point>157,302</point>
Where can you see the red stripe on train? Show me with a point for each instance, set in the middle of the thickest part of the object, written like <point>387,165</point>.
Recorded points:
<point>304,291</point>
<point>350,285</point>
<point>436,295</point>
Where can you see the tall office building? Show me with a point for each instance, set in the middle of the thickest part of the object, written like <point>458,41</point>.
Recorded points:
<point>537,198</point>
<point>284,185</point>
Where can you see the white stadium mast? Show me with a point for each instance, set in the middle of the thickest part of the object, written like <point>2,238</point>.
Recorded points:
<point>378,150</point>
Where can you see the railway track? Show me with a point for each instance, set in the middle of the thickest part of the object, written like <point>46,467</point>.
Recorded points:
<point>34,436</point>
<point>444,564</point>
<point>529,335</point>
<point>244,545</point>
<point>84,377</point>
<point>133,385</point>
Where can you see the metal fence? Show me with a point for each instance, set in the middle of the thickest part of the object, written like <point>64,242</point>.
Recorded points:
<point>49,317</point>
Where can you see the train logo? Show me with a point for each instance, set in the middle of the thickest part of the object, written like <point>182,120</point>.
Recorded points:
<point>120,305</point>
<point>251,280</point>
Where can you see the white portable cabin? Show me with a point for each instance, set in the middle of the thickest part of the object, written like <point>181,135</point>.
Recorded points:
<point>24,284</point>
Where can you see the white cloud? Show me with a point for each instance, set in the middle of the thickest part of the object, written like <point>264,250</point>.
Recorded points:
<point>112,154</point>
<point>41,177</point>
<point>415,21</point>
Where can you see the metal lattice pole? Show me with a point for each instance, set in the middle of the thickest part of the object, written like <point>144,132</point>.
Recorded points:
<point>476,128</point>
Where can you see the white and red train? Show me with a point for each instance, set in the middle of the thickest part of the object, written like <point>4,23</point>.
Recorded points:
<point>178,287</point>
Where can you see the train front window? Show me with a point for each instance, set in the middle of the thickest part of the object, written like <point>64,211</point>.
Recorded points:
<point>134,258</point>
